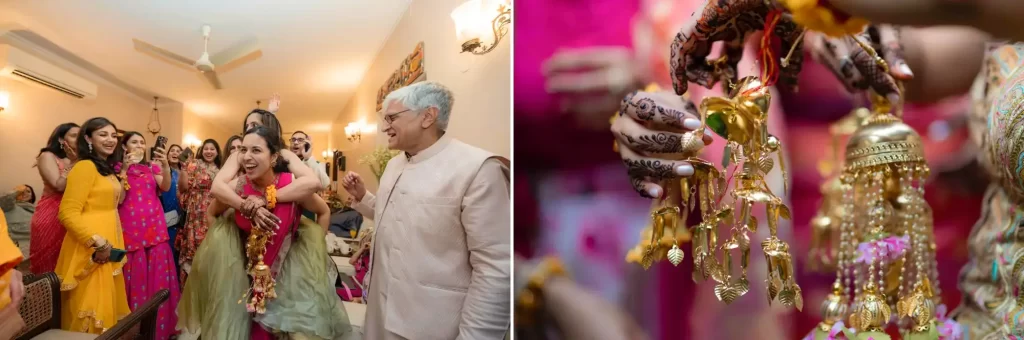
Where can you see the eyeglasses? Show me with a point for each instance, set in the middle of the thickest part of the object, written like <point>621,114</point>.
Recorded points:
<point>298,140</point>
<point>390,118</point>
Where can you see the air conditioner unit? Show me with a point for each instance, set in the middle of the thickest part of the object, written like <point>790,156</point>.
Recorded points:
<point>22,66</point>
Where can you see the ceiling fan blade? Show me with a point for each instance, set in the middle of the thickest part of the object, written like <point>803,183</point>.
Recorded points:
<point>211,77</point>
<point>147,48</point>
<point>237,55</point>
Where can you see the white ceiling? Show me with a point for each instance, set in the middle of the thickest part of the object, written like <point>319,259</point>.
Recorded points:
<point>315,52</point>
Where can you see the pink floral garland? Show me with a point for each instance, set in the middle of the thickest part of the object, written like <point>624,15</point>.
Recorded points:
<point>890,248</point>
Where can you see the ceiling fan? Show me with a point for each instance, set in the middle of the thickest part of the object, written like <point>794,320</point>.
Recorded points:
<point>208,66</point>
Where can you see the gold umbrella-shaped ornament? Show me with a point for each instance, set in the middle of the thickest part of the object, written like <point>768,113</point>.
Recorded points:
<point>886,256</point>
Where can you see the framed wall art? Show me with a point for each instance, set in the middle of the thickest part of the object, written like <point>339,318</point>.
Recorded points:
<point>411,71</point>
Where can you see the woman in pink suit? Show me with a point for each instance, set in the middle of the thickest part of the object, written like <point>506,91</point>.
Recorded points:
<point>150,261</point>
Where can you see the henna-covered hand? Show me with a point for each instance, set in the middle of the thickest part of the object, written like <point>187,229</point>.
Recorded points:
<point>730,22</point>
<point>856,68</point>
<point>649,124</point>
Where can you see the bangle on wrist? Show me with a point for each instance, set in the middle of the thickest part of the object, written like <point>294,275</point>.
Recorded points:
<point>99,243</point>
<point>531,298</point>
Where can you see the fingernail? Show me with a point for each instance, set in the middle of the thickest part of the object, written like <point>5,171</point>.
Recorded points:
<point>654,192</point>
<point>691,123</point>
<point>906,69</point>
<point>894,98</point>
<point>684,170</point>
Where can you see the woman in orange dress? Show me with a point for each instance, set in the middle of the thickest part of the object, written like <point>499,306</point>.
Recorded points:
<point>53,162</point>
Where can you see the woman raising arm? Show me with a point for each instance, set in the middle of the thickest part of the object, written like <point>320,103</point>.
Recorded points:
<point>306,183</point>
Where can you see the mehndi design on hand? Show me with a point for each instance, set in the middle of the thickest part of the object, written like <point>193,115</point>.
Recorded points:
<point>731,22</point>
<point>856,68</point>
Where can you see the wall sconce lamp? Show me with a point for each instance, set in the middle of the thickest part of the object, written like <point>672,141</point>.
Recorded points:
<point>5,100</point>
<point>354,131</point>
<point>476,19</point>
<point>192,143</point>
<point>326,154</point>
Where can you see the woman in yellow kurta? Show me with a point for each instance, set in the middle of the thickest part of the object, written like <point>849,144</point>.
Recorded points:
<point>92,287</point>
<point>10,257</point>
<point>11,290</point>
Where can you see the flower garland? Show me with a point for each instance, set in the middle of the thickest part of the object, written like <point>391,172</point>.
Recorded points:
<point>821,16</point>
<point>890,248</point>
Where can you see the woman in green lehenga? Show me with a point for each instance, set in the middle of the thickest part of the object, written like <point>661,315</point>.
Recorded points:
<point>216,294</point>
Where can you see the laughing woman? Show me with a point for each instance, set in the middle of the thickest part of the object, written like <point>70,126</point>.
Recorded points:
<point>150,264</point>
<point>306,182</point>
<point>53,162</point>
<point>194,183</point>
<point>294,255</point>
<point>234,142</point>
<point>173,214</point>
<point>93,291</point>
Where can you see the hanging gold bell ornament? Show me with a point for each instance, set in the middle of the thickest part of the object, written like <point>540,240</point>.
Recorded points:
<point>886,252</point>
<point>824,250</point>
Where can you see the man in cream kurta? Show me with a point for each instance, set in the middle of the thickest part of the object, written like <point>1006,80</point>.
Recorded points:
<point>440,262</point>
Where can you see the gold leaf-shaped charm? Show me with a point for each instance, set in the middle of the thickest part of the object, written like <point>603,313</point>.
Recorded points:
<point>714,269</point>
<point>773,291</point>
<point>727,292</point>
<point>902,309</point>
<point>675,255</point>
<point>648,260</point>
<point>784,212</point>
<point>798,298</point>
<point>787,297</point>
<point>765,164</point>
<point>691,143</point>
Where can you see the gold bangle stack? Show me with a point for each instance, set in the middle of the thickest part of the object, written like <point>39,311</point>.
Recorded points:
<point>532,297</point>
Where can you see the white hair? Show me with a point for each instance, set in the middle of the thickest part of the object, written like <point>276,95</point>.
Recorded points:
<point>423,95</point>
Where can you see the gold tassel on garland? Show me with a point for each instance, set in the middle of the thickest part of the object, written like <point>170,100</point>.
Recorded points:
<point>741,118</point>
<point>262,289</point>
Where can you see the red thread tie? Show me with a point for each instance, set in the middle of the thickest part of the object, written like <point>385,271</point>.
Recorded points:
<point>770,64</point>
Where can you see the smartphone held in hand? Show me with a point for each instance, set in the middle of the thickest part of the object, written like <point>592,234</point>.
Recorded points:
<point>161,142</point>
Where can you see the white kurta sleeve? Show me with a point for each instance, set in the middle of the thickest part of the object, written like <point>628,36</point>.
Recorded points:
<point>365,206</point>
<point>486,219</point>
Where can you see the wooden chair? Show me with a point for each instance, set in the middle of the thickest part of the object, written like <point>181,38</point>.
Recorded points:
<point>41,311</point>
